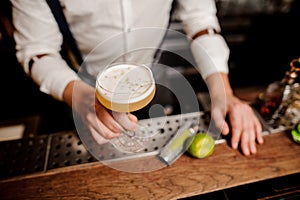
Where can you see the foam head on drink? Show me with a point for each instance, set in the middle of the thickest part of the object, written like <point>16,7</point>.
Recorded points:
<point>125,87</point>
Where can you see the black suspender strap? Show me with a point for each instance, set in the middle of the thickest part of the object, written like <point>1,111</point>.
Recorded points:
<point>70,42</point>
<point>64,28</point>
<point>159,51</point>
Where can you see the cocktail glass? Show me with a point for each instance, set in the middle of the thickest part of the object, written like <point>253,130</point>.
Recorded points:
<point>124,87</point>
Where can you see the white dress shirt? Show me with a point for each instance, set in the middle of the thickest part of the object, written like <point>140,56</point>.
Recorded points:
<point>108,31</point>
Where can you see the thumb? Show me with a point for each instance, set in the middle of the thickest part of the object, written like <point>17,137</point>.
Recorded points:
<point>127,121</point>
<point>219,121</point>
<point>132,117</point>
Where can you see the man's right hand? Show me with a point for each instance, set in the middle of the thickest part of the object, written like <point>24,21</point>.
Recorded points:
<point>101,122</point>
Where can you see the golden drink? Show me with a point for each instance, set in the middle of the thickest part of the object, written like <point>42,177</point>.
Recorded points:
<point>125,87</point>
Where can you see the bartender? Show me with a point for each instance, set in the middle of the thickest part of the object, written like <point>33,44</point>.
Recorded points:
<point>93,23</point>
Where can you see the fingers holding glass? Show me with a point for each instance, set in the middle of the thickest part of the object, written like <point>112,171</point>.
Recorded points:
<point>105,126</point>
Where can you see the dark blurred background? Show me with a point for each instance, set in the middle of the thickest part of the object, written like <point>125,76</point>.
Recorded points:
<point>262,35</point>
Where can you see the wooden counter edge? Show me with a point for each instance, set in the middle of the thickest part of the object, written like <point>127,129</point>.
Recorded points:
<point>224,169</point>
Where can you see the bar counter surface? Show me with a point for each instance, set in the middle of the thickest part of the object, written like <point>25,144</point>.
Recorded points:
<point>225,168</point>
<point>279,156</point>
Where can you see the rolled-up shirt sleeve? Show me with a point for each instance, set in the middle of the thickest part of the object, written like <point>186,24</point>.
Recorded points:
<point>210,51</point>
<point>37,33</point>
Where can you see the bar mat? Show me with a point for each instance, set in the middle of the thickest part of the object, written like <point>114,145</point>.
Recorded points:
<point>23,156</point>
<point>66,150</point>
<point>41,153</point>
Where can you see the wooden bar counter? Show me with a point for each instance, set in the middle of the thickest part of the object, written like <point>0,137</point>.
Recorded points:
<point>279,156</point>
<point>226,168</point>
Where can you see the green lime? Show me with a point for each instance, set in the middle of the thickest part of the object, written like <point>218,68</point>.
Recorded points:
<point>298,128</point>
<point>296,135</point>
<point>202,146</point>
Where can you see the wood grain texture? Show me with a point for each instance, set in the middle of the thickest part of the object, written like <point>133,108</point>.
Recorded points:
<point>226,168</point>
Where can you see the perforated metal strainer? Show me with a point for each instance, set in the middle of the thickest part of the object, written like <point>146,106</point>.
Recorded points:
<point>164,127</point>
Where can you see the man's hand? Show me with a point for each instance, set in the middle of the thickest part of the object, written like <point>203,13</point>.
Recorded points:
<point>102,123</point>
<point>245,127</point>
